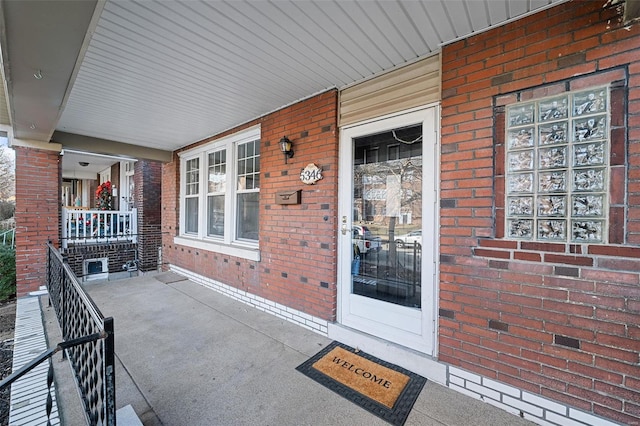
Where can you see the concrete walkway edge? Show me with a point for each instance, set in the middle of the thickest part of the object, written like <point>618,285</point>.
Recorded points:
<point>29,393</point>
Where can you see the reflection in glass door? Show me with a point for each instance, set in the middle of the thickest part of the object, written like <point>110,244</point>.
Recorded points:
<point>387,216</point>
<point>388,231</point>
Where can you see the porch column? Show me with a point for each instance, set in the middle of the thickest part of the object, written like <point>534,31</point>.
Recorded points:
<point>37,210</point>
<point>148,194</point>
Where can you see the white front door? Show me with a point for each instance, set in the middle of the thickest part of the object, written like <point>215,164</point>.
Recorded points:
<point>388,228</point>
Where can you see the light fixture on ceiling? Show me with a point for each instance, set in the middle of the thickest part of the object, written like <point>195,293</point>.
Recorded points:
<point>38,75</point>
<point>32,126</point>
<point>83,163</point>
<point>286,146</point>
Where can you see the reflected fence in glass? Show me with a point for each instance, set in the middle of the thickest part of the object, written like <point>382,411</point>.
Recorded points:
<point>391,274</point>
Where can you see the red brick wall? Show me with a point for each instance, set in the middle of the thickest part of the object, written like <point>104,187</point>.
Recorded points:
<point>37,214</point>
<point>170,209</point>
<point>297,242</point>
<point>560,320</point>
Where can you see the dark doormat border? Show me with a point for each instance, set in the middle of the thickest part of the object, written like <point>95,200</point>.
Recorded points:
<point>401,409</point>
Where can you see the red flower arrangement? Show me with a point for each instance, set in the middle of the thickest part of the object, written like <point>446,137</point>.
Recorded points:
<point>103,196</point>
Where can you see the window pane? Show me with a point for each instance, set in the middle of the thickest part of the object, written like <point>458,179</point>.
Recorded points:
<point>247,217</point>
<point>249,184</point>
<point>192,176</point>
<point>215,218</point>
<point>217,172</point>
<point>249,166</point>
<point>191,215</point>
<point>387,194</point>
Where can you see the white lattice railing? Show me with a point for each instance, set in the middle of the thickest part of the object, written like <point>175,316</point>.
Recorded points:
<point>8,238</point>
<point>94,226</point>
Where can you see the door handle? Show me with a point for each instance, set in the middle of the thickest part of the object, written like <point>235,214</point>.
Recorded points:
<point>344,226</point>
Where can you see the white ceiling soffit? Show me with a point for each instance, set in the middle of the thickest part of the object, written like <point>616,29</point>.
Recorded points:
<point>165,74</point>
<point>40,41</point>
<point>80,165</point>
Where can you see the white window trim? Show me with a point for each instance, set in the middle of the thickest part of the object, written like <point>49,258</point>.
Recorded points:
<point>230,249</point>
<point>228,244</point>
<point>127,171</point>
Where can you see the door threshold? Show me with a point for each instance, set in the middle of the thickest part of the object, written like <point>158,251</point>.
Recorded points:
<point>410,359</point>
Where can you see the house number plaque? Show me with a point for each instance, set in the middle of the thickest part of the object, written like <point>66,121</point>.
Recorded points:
<point>311,174</point>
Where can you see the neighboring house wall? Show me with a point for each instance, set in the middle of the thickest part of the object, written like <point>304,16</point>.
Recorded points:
<point>115,183</point>
<point>93,185</point>
<point>147,198</point>
<point>37,213</point>
<point>38,221</point>
<point>297,268</point>
<point>556,319</point>
<point>118,253</point>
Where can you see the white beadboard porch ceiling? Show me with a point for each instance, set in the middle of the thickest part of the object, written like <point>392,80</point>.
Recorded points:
<point>164,74</point>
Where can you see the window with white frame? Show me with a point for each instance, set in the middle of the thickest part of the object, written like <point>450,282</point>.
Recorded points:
<point>216,187</point>
<point>557,168</point>
<point>192,195</point>
<point>248,188</point>
<point>220,188</point>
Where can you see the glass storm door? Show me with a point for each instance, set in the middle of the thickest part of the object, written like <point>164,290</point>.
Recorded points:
<point>387,235</point>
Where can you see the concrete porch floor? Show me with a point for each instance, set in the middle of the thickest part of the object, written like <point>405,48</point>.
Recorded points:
<point>187,355</point>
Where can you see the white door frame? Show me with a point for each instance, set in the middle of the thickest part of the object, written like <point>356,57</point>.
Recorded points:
<point>127,170</point>
<point>421,325</point>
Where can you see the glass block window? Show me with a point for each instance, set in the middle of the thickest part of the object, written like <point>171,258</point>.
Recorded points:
<point>557,169</point>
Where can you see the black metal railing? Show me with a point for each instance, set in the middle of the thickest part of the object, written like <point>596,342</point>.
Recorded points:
<point>92,363</point>
<point>46,356</point>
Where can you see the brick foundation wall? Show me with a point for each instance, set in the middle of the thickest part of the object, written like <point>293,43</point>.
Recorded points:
<point>287,313</point>
<point>118,254</point>
<point>147,196</point>
<point>557,320</point>
<point>37,214</point>
<point>297,242</point>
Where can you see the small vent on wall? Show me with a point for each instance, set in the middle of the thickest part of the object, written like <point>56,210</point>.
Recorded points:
<point>446,313</point>
<point>498,325</point>
<point>566,341</point>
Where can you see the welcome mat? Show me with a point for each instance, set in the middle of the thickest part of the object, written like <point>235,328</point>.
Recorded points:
<point>382,388</point>
<point>169,277</point>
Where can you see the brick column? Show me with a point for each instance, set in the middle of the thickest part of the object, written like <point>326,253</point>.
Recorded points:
<point>37,212</point>
<point>148,194</point>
